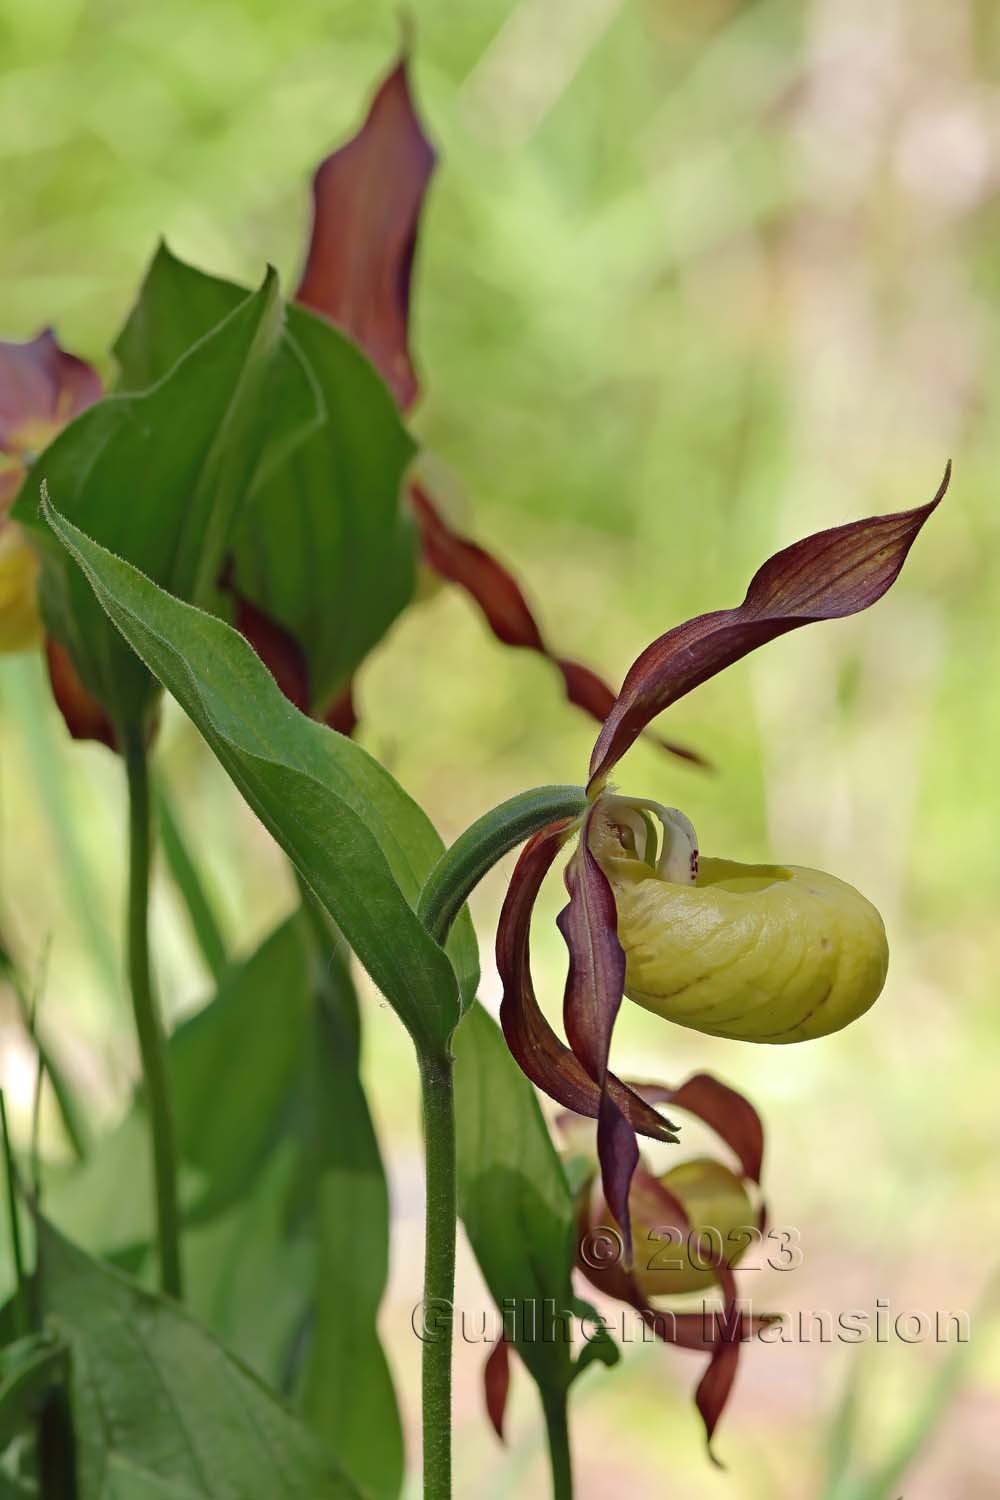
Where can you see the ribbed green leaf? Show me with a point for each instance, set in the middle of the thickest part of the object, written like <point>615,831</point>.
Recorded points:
<point>326,546</point>
<point>150,1388</point>
<point>158,476</point>
<point>358,840</point>
<point>514,1200</point>
<point>271,1107</point>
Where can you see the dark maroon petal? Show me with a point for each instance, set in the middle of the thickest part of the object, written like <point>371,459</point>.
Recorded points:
<point>594,988</point>
<point>586,690</point>
<point>618,1154</point>
<point>496,1385</point>
<point>596,978</point>
<point>723,1109</point>
<point>823,577</point>
<point>539,1053</point>
<point>720,1333</point>
<point>367,198</point>
<point>41,389</point>
<point>717,1382</point>
<point>277,648</point>
<point>342,714</point>
<point>461,561</point>
<point>84,716</point>
<point>285,659</point>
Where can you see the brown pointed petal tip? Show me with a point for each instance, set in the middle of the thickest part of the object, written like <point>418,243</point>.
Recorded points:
<point>85,717</point>
<point>42,388</point>
<point>496,1385</point>
<point>538,1051</point>
<point>367,198</point>
<point>823,577</point>
<point>719,1334</point>
<point>723,1109</point>
<point>501,599</point>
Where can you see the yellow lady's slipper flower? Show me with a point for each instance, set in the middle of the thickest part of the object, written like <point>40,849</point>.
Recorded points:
<point>759,953</point>
<point>765,953</point>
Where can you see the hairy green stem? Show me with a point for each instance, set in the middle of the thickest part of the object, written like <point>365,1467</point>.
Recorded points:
<point>557,1433</point>
<point>149,1030</point>
<point>438,1097</point>
<point>477,850</point>
<point>448,887</point>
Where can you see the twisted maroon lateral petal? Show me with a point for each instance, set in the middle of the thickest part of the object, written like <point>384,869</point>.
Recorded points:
<point>723,1109</point>
<point>730,1328</point>
<point>496,1385</point>
<point>823,577</point>
<point>499,596</point>
<point>367,198</point>
<point>41,389</point>
<point>85,717</point>
<point>584,689</point>
<point>536,1049</point>
<point>594,988</point>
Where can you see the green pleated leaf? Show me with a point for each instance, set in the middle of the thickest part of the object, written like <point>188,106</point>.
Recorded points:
<point>158,476</point>
<point>176,306</point>
<point>514,1199</point>
<point>152,1389</point>
<point>358,840</point>
<point>345,1388</point>
<point>124,1481</point>
<point>271,1107</point>
<point>283,1194</point>
<point>235,1064</point>
<point>29,1368</point>
<point>326,546</point>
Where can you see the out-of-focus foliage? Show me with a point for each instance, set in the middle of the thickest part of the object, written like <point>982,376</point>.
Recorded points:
<point>692,282</point>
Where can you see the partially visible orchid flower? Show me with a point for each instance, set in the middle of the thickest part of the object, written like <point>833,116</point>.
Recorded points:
<point>41,389</point>
<point>765,953</point>
<point>367,200</point>
<point>692,1225</point>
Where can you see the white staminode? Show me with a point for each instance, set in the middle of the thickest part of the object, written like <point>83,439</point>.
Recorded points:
<point>678,859</point>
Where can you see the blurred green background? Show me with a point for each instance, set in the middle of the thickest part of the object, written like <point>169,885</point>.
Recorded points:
<point>693,280</point>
